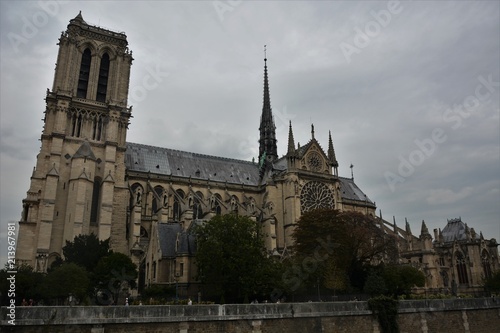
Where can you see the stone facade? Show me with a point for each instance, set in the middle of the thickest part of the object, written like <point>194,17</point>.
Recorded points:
<point>78,184</point>
<point>456,261</point>
<point>88,179</point>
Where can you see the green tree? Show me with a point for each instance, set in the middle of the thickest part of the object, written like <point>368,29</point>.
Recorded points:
<point>344,246</point>
<point>399,279</point>
<point>65,280</point>
<point>114,274</point>
<point>232,261</point>
<point>86,251</point>
<point>492,284</point>
<point>27,284</point>
<point>375,284</point>
<point>157,292</point>
<point>385,309</point>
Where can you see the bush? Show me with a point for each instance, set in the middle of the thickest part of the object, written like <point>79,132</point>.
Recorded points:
<point>385,309</point>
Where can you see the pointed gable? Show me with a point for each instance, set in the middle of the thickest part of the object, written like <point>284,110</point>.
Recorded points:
<point>313,157</point>
<point>85,151</point>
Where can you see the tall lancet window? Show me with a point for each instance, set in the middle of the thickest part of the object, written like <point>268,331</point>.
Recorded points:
<point>177,209</point>
<point>197,209</point>
<point>485,258</point>
<point>83,80</point>
<point>76,125</point>
<point>461,269</point>
<point>97,128</point>
<point>96,193</point>
<point>102,84</point>
<point>155,205</point>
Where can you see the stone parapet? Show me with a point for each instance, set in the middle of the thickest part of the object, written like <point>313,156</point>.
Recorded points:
<point>105,315</point>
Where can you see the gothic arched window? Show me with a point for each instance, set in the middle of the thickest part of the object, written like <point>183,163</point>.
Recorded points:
<point>102,84</point>
<point>461,268</point>
<point>83,79</point>
<point>485,260</point>
<point>197,209</point>
<point>234,205</point>
<point>136,191</point>
<point>315,195</point>
<point>76,125</point>
<point>96,191</point>
<point>216,207</point>
<point>154,203</point>
<point>97,128</point>
<point>177,210</point>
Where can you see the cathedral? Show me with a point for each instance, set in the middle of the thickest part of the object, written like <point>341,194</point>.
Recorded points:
<point>145,199</point>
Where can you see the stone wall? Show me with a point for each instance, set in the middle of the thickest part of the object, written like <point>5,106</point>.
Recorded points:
<point>451,315</point>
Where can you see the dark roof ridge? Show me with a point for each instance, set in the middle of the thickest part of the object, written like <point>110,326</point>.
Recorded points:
<point>195,154</point>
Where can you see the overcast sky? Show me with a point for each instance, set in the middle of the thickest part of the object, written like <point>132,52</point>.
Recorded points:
<point>409,90</point>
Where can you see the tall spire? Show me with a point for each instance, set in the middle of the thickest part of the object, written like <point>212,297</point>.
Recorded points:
<point>267,142</point>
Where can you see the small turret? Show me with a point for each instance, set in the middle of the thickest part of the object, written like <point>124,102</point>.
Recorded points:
<point>407,226</point>
<point>425,236</point>
<point>331,155</point>
<point>291,153</point>
<point>291,142</point>
<point>424,230</point>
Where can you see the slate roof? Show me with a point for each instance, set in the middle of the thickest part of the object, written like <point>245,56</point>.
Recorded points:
<point>351,191</point>
<point>166,161</point>
<point>280,164</point>
<point>168,234</point>
<point>455,229</point>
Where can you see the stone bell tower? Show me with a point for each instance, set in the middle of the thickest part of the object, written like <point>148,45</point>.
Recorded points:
<point>78,184</point>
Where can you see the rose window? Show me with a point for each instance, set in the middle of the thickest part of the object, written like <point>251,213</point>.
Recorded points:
<point>315,195</point>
